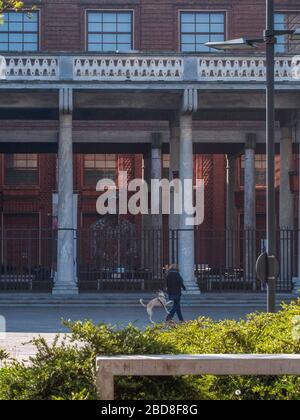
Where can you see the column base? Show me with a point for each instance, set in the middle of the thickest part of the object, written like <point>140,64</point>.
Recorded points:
<point>65,289</point>
<point>192,288</point>
<point>296,289</point>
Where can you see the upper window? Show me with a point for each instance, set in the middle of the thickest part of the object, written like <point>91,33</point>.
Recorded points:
<point>287,21</point>
<point>98,166</point>
<point>198,28</point>
<point>109,31</point>
<point>19,32</point>
<point>21,169</point>
<point>166,166</point>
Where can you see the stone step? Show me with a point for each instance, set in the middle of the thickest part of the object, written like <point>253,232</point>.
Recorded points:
<point>132,300</point>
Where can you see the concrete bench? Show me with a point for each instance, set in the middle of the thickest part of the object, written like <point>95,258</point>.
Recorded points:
<point>179,365</point>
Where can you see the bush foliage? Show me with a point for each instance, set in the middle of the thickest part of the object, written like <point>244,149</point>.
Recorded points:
<point>66,368</point>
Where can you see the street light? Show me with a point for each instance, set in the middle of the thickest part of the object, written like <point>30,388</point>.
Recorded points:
<point>269,39</point>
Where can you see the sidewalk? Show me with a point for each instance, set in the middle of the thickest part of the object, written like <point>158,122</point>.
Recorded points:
<point>25,323</point>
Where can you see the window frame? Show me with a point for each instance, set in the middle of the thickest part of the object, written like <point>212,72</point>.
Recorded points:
<point>38,33</point>
<point>121,11</point>
<point>201,11</point>
<point>18,185</point>
<point>84,168</point>
<point>285,12</point>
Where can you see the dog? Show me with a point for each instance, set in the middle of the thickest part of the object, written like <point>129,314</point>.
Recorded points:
<point>159,301</point>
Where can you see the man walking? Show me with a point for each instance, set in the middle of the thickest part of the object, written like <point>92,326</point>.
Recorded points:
<point>174,287</point>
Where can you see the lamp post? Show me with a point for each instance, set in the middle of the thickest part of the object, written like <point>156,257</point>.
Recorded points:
<point>269,261</point>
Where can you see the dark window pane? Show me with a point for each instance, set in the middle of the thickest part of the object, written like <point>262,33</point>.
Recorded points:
<point>287,21</point>
<point>93,38</point>
<point>188,28</point>
<point>188,48</point>
<point>188,39</point>
<point>3,37</point>
<point>202,48</point>
<point>124,17</point>
<point>202,18</point>
<point>124,47</point>
<point>30,47</point>
<point>202,39</point>
<point>217,38</point>
<point>109,27</point>
<point>207,27</point>
<point>109,17</point>
<point>124,39</point>
<point>21,30</point>
<point>4,26</point>
<point>21,169</point>
<point>203,27</point>
<point>124,27</point>
<point>188,18</point>
<point>217,27</point>
<point>95,17</point>
<point>217,18</point>
<point>15,47</point>
<point>16,16</point>
<point>30,38</point>
<point>18,26</point>
<point>95,47</point>
<point>30,27</point>
<point>114,34</point>
<point>95,27</point>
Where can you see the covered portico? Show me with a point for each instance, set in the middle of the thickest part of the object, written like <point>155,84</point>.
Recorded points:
<point>195,96</point>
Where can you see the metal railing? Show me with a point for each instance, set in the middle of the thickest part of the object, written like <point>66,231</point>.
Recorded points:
<point>115,260</point>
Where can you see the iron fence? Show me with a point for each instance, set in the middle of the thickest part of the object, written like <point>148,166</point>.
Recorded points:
<point>114,260</point>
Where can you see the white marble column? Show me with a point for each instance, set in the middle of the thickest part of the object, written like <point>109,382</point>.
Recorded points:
<point>186,236</point>
<point>156,173</point>
<point>250,210</point>
<point>286,206</point>
<point>173,175</point>
<point>231,213</point>
<point>65,283</point>
<point>156,219</point>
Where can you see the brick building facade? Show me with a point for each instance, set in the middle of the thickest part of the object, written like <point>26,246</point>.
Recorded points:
<point>29,170</point>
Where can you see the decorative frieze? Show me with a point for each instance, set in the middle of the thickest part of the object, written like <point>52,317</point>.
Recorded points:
<point>245,69</point>
<point>128,68</point>
<point>31,68</point>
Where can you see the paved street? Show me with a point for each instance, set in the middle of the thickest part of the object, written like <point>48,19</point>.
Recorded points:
<point>24,323</point>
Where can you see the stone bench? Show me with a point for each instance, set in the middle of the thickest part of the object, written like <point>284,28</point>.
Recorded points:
<point>179,365</point>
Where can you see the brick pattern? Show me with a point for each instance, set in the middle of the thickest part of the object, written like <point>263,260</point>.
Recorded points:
<point>156,29</point>
<point>156,21</point>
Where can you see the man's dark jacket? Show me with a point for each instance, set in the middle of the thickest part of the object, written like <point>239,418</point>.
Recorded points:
<point>174,283</point>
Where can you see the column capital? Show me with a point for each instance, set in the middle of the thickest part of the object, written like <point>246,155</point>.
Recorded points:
<point>66,100</point>
<point>190,101</point>
<point>250,142</point>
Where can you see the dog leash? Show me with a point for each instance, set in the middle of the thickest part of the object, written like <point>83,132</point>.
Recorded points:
<point>162,304</point>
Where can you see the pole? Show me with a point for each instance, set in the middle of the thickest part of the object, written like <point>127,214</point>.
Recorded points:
<point>270,130</point>
<point>298,280</point>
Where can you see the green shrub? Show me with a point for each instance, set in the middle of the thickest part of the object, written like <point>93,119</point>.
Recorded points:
<point>66,370</point>
<point>3,355</point>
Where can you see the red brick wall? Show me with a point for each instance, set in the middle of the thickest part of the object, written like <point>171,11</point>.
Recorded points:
<point>156,21</point>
